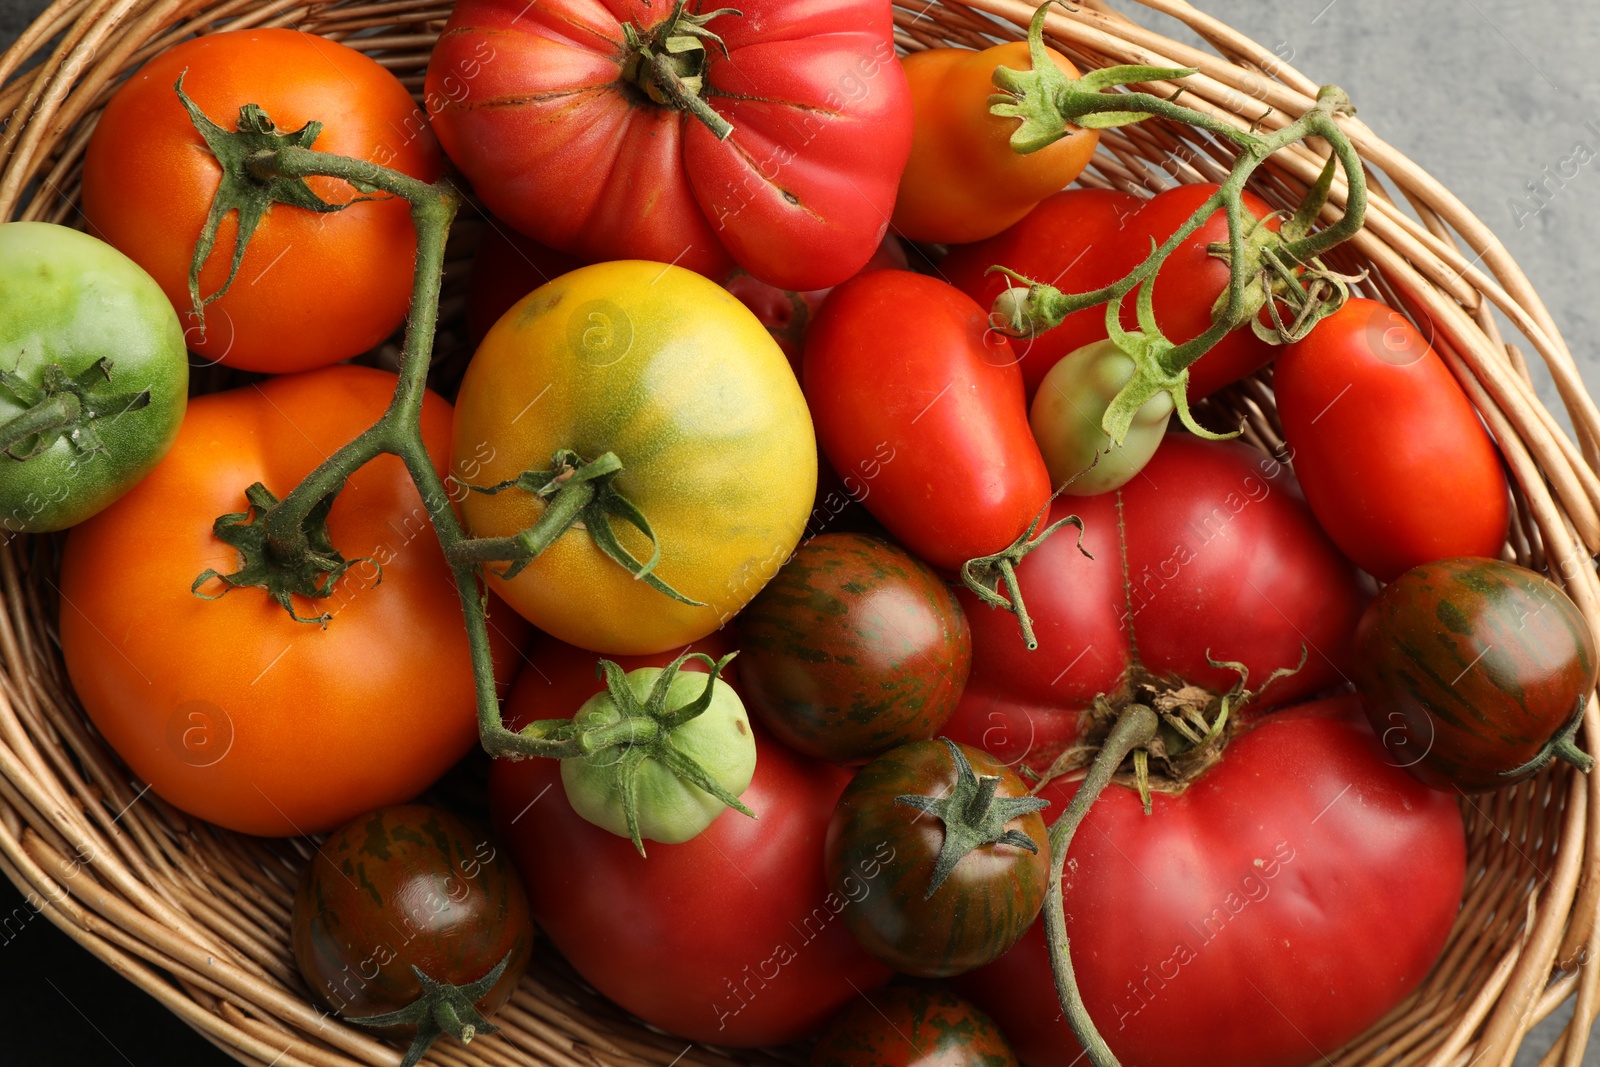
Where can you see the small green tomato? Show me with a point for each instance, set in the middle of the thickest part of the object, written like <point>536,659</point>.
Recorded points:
<point>666,753</point>
<point>1067,413</point>
<point>94,377</point>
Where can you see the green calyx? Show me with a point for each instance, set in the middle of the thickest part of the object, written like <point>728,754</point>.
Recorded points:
<point>1563,746</point>
<point>669,63</point>
<point>441,1009</point>
<point>249,185</point>
<point>311,568</point>
<point>985,574</point>
<point>616,742</point>
<point>63,407</point>
<point>973,816</point>
<point>578,493</point>
<point>1048,102</point>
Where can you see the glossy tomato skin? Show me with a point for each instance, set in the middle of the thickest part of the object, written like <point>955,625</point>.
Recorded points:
<point>71,302</point>
<point>1467,668</point>
<point>672,374</point>
<point>1222,557</point>
<point>799,195</point>
<point>903,373</point>
<point>232,710</point>
<point>312,289</point>
<point>1082,239</point>
<point>733,938</point>
<point>402,887</point>
<point>1371,414</point>
<point>1275,910</point>
<point>988,899</point>
<point>854,648</point>
<point>964,182</point>
<point>912,1026</point>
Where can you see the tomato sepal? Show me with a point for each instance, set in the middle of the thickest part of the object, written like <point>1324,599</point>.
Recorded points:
<point>985,574</point>
<point>669,63</point>
<point>578,491</point>
<point>972,816</point>
<point>312,569</point>
<point>63,406</point>
<point>250,185</point>
<point>1562,746</point>
<point>441,1009</point>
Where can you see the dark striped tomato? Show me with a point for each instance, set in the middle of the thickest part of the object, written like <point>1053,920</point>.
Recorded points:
<point>1473,670</point>
<point>410,888</point>
<point>854,647</point>
<point>983,903</point>
<point>912,1026</point>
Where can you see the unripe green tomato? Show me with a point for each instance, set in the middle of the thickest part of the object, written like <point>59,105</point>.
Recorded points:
<point>1066,416</point>
<point>81,325</point>
<point>671,810</point>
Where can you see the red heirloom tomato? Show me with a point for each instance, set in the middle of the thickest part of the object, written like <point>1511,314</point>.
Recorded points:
<point>1222,558</point>
<point>732,938</point>
<point>1082,239</point>
<point>1287,900</point>
<point>603,129</point>
<point>912,1026</point>
<point>907,381</point>
<point>1393,458</point>
<point>229,708</point>
<point>312,289</point>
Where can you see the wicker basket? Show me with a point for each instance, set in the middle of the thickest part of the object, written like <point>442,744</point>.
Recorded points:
<point>198,917</point>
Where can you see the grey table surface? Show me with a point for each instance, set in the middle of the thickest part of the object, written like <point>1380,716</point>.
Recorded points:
<point>1493,98</point>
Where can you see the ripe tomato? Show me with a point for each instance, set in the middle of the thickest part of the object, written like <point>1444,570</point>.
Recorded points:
<point>1082,239</point>
<point>673,375</point>
<point>964,182</point>
<point>1371,413</point>
<point>956,849</point>
<point>411,888</point>
<point>1474,671</point>
<point>904,374</point>
<point>229,708</point>
<point>1222,558</point>
<point>588,128</point>
<point>98,377</point>
<point>854,648</point>
<point>912,1026</point>
<point>312,289</point>
<point>1281,905</point>
<point>733,938</point>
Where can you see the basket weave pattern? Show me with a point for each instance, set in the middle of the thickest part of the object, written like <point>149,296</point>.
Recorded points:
<point>199,917</point>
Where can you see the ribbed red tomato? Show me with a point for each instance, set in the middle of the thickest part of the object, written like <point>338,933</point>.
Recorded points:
<point>1228,926</point>
<point>1222,558</point>
<point>589,127</point>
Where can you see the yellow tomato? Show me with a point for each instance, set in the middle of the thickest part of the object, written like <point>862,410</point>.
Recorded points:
<point>672,374</point>
<point>964,181</point>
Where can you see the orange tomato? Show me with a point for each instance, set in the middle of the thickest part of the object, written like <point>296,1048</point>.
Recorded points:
<point>312,289</point>
<point>229,708</point>
<point>964,181</point>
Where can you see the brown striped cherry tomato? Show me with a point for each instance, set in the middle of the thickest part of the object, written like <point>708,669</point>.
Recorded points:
<point>1475,672</point>
<point>912,1026</point>
<point>405,889</point>
<point>951,852</point>
<point>854,647</point>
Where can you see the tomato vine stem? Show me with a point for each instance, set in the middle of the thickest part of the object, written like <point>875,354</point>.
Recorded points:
<point>1263,266</point>
<point>1134,729</point>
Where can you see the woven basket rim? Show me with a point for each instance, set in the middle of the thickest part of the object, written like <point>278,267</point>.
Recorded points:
<point>197,916</point>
